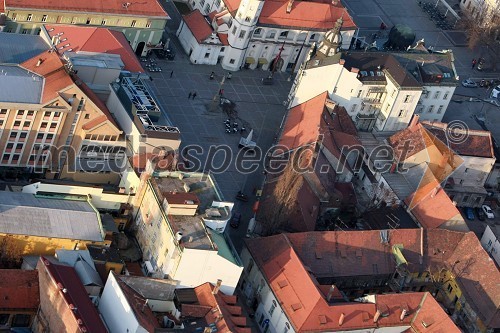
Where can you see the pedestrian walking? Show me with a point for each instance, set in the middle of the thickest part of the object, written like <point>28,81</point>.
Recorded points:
<point>190,94</point>
<point>194,94</point>
<point>171,73</point>
<point>474,62</point>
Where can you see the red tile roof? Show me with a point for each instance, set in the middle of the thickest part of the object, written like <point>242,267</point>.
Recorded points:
<point>198,26</point>
<point>91,39</point>
<point>106,116</point>
<point>335,254</point>
<point>464,142</point>
<point>431,206</point>
<point>232,5</point>
<point>302,122</point>
<point>76,295</point>
<point>224,39</point>
<point>303,300</point>
<point>181,197</point>
<point>52,69</point>
<point>2,8</point>
<point>19,289</point>
<point>142,311</point>
<point>136,8</point>
<point>212,306</point>
<point>305,14</point>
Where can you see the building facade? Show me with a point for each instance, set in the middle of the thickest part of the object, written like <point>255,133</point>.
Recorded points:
<point>178,245</point>
<point>142,23</point>
<point>381,91</point>
<point>491,242</point>
<point>253,34</point>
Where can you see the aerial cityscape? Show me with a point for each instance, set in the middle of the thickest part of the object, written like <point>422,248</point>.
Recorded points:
<point>249,166</point>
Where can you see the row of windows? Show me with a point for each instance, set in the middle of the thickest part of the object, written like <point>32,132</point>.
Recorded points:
<point>437,94</point>
<point>283,35</point>
<point>101,137</point>
<point>74,20</point>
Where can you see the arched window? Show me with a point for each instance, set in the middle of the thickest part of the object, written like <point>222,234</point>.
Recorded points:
<point>271,34</point>
<point>283,35</point>
<point>313,37</point>
<point>257,32</point>
<point>287,328</point>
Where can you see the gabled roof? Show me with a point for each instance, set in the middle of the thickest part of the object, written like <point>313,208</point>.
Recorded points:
<point>302,123</point>
<point>19,289</point>
<point>92,39</point>
<point>139,305</point>
<point>303,301</point>
<point>362,253</point>
<point>468,143</point>
<point>53,72</point>
<point>150,8</point>
<point>307,15</point>
<point>106,116</point>
<point>220,310</point>
<point>76,295</point>
<point>198,26</point>
<point>30,215</point>
<point>149,288</point>
<point>87,274</point>
<point>432,207</point>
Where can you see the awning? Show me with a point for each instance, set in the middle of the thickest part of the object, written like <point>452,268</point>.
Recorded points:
<point>250,60</point>
<point>262,61</point>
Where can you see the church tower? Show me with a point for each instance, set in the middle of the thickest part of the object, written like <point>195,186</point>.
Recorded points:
<point>243,25</point>
<point>332,42</point>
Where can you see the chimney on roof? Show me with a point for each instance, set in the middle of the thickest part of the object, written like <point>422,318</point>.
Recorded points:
<point>414,121</point>
<point>376,316</point>
<point>217,287</point>
<point>39,62</point>
<point>403,314</point>
<point>289,6</point>
<point>219,318</point>
<point>341,319</point>
<point>55,40</point>
<point>330,293</point>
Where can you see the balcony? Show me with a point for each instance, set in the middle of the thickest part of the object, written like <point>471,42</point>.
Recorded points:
<point>376,90</point>
<point>374,101</point>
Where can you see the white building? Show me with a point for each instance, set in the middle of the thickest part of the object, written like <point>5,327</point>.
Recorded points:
<point>380,90</point>
<point>127,303</point>
<point>491,242</point>
<point>271,35</point>
<point>168,217</point>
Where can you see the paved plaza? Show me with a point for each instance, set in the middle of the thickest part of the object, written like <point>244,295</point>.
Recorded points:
<point>258,107</point>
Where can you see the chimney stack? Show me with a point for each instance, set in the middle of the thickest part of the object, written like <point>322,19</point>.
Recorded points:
<point>39,62</point>
<point>377,315</point>
<point>341,319</point>
<point>330,293</point>
<point>289,6</point>
<point>217,287</point>
<point>414,121</point>
<point>403,314</point>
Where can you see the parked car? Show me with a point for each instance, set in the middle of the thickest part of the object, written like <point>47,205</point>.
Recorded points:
<point>487,210</point>
<point>469,213</point>
<point>495,93</point>
<point>235,220</point>
<point>468,83</point>
<point>480,214</point>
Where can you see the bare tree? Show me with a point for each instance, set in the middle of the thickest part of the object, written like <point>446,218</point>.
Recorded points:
<point>10,253</point>
<point>482,26</point>
<point>282,202</point>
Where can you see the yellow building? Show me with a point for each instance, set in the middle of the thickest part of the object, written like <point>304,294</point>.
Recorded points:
<point>142,22</point>
<point>51,122</point>
<point>39,225</point>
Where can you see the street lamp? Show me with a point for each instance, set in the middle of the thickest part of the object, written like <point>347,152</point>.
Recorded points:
<point>214,107</point>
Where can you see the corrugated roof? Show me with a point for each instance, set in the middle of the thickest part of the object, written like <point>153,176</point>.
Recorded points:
<point>25,214</point>
<point>136,8</point>
<point>17,48</point>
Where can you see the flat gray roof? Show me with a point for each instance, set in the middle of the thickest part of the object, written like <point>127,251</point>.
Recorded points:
<point>17,85</point>
<point>17,48</point>
<point>27,214</point>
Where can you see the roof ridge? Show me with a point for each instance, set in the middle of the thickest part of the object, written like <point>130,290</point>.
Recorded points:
<point>92,34</point>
